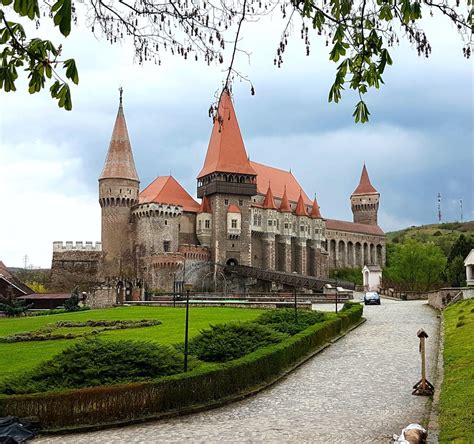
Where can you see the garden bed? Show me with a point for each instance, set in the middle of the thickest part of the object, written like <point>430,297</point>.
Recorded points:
<point>204,387</point>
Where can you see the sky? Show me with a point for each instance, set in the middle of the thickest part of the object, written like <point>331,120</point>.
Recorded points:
<point>419,141</point>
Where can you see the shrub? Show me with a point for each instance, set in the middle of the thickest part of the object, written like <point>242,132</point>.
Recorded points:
<point>225,342</point>
<point>284,321</point>
<point>12,306</point>
<point>95,362</point>
<point>72,304</point>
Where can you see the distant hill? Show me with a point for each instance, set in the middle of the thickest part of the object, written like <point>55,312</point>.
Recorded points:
<point>443,235</point>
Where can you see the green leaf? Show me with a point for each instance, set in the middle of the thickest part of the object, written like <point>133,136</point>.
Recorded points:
<point>63,15</point>
<point>71,70</point>
<point>361,112</point>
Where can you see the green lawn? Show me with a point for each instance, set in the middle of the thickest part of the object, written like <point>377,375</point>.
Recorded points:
<point>457,391</point>
<point>20,356</point>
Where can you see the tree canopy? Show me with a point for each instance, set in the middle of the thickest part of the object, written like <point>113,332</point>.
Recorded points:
<point>359,35</point>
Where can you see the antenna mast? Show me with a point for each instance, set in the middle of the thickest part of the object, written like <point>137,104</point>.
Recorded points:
<point>460,209</point>
<point>439,207</point>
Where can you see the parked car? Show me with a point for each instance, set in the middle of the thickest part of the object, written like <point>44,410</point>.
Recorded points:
<point>372,297</point>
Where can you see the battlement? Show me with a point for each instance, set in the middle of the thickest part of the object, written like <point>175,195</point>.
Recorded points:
<point>157,210</point>
<point>59,246</point>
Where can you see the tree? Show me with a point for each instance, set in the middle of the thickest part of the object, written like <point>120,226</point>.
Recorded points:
<point>72,304</point>
<point>12,306</point>
<point>359,34</point>
<point>456,273</point>
<point>416,266</point>
<point>461,247</point>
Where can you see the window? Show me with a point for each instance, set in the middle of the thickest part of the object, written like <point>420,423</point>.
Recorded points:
<point>286,225</point>
<point>166,222</point>
<point>301,227</point>
<point>259,220</point>
<point>166,246</point>
<point>255,219</point>
<point>226,201</point>
<point>207,223</point>
<point>241,202</point>
<point>233,223</point>
<point>277,224</point>
<point>269,222</point>
<point>199,224</point>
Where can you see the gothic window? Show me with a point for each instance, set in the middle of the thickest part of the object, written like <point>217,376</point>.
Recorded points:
<point>166,246</point>
<point>234,223</point>
<point>207,223</point>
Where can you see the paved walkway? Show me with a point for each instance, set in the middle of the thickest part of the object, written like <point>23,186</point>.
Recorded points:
<point>356,391</point>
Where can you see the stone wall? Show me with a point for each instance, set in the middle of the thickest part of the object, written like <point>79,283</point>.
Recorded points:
<point>101,297</point>
<point>71,268</point>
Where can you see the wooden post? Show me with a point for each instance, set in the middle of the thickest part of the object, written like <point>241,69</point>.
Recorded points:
<point>423,387</point>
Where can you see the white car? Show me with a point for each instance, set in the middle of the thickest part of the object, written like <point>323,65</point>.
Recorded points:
<point>372,297</point>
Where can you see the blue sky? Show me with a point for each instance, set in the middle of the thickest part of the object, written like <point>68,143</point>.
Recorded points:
<point>419,141</point>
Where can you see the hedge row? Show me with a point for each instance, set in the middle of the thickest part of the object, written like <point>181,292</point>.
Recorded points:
<point>203,386</point>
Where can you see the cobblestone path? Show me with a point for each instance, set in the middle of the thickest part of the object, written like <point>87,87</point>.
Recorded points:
<point>356,391</point>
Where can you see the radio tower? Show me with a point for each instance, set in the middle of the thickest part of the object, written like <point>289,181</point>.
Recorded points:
<point>439,207</point>
<point>460,209</point>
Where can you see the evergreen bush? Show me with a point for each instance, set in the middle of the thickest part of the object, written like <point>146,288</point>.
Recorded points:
<point>225,342</point>
<point>285,321</point>
<point>94,362</point>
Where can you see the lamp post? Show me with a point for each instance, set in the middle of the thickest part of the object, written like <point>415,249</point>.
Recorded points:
<point>187,287</point>
<point>335,276</point>
<point>296,305</point>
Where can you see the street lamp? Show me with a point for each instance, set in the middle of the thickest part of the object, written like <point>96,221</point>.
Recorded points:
<point>335,276</point>
<point>187,287</point>
<point>296,306</point>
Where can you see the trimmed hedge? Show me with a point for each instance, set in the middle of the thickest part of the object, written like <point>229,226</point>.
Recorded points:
<point>285,321</point>
<point>203,386</point>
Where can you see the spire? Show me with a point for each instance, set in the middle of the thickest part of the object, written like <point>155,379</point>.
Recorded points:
<point>226,152</point>
<point>269,203</point>
<point>285,204</point>
<point>205,206</point>
<point>119,163</point>
<point>364,187</point>
<point>300,207</point>
<point>315,213</point>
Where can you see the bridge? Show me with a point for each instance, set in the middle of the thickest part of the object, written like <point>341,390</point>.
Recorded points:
<point>291,279</point>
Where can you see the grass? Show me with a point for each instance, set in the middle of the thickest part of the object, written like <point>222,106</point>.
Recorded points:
<point>457,392</point>
<point>21,356</point>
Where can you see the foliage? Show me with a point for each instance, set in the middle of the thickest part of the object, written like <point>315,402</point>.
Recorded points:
<point>72,304</point>
<point>37,287</point>
<point>359,36</point>
<point>12,306</point>
<point>462,247</point>
<point>55,311</point>
<point>348,274</point>
<point>457,391</point>
<point>416,266</point>
<point>201,387</point>
<point>456,272</point>
<point>284,321</point>
<point>59,330</point>
<point>20,357</point>
<point>95,362</point>
<point>225,342</point>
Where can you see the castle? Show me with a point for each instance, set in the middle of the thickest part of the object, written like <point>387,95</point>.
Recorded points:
<point>249,214</point>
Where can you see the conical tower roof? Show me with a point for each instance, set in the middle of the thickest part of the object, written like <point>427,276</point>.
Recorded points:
<point>226,152</point>
<point>119,163</point>
<point>364,187</point>
<point>300,207</point>
<point>205,206</point>
<point>269,202</point>
<point>285,204</point>
<point>315,212</point>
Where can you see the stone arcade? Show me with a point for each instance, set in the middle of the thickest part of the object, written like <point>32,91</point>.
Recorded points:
<point>250,214</point>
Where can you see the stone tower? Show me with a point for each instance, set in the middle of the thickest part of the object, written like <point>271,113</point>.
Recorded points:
<point>118,193</point>
<point>365,201</point>
<point>228,180</point>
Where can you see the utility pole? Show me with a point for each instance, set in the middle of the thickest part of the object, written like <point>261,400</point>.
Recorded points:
<point>439,207</point>
<point>25,261</point>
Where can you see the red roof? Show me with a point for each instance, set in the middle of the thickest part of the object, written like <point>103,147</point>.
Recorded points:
<point>233,209</point>
<point>269,202</point>
<point>285,205</point>
<point>119,162</point>
<point>226,152</point>
<point>166,189</point>
<point>300,207</point>
<point>205,206</point>
<point>315,213</point>
<point>352,227</point>
<point>279,180</point>
<point>364,187</point>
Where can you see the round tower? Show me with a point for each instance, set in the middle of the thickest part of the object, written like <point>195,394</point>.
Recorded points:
<point>365,201</point>
<point>118,193</point>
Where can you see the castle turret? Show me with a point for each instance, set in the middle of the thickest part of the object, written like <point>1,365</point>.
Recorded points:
<point>365,201</point>
<point>118,192</point>
<point>229,182</point>
<point>204,222</point>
